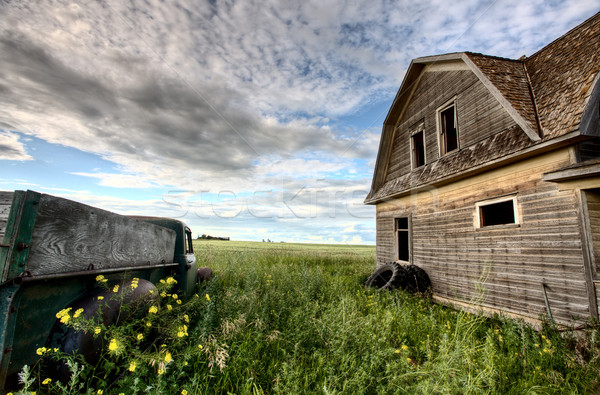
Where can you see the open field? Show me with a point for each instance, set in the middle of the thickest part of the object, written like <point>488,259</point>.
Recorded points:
<point>296,319</point>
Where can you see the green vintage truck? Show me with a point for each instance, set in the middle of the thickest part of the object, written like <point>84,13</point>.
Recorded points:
<point>51,251</point>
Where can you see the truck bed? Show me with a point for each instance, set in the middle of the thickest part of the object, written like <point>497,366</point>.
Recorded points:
<point>52,236</point>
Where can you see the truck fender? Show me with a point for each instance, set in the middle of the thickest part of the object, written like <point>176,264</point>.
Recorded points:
<point>113,308</point>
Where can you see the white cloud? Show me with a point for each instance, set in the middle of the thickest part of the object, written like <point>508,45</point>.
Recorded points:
<point>11,148</point>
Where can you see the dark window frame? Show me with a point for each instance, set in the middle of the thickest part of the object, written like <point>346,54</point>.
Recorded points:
<point>495,213</point>
<point>448,136</point>
<point>403,238</point>
<point>417,149</point>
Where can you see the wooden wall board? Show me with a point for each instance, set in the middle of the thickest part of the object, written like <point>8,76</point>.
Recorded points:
<point>70,236</point>
<point>6,198</point>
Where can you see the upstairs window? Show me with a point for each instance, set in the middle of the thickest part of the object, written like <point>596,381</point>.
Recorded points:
<point>447,128</point>
<point>417,146</point>
<point>497,212</point>
<point>402,239</point>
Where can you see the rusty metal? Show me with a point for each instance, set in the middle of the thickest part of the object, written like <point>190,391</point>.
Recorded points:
<point>204,274</point>
<point>548,305</point>
<point>30,277</point>
<point>22,246</point>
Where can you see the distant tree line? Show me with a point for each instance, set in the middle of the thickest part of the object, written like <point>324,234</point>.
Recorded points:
<point>209,237</point>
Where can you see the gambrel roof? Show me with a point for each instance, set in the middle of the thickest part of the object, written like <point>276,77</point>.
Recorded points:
<point>551,96</point>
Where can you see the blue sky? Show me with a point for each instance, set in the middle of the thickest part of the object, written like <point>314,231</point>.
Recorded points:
<point>249,119</point>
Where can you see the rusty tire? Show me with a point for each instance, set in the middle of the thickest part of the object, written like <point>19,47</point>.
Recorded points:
<point>106,306</point>
<point>388,276</point>
<point>204,274</point>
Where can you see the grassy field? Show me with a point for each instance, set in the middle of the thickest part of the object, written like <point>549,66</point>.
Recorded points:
<point>296,319</point>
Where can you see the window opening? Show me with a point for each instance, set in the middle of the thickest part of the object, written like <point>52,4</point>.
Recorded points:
<point>448,129</point>
<point>499,213</point>
<point>188,241</point>
<point>418,149</point>
<point>403,239</point>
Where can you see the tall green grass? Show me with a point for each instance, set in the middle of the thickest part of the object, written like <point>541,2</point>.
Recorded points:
<point>293,319</point>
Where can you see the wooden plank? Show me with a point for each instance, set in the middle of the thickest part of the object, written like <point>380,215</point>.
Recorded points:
<point>6,198</point>
<point>70,236</point>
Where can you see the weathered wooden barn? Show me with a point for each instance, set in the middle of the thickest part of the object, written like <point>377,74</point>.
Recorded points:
<point>488,178</point>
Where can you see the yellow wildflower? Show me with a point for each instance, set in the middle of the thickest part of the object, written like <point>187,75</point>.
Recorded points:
<point>160,371</point>
<point>113,345</point>
<point>41,351</point>
<point>162,281</point>
<point>100,297</point>
<point>63,315</point>
<point>168,357</point>
<point>186,318</point>
<point>100,392</point>
<point>97,330</point>
<point>200,346</point>
<point>132,366</point>
<point>182,331</point>
<point>183,392</point>
<point>207,297</point>
<point>140,336</point>
<point>163,294</point>
<point>178,301</point>
<point>153,310</point>
<point>169,307</point>
<point>185,363</point>
<point>397,351</point>
<point>404,347</point>
<point>116,288</point>
<point>46,381</point>
<point>148,324</point>
<point>56,349</point>
<point>100,278</point>
<point>171,280</point>
<point>77,313</point>
<point>174,296</point>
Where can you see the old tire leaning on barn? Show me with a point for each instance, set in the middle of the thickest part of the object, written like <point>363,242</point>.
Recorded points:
<point>417,280</point>
<point>111,308</point>
<point>388,276</point>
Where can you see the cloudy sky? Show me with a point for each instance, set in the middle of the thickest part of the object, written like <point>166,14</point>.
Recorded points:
<point>254,119</point>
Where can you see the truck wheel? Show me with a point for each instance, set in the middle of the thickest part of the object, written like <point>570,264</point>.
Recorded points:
<point>113,308</point>
<point>204,274</point>
<point>417,279</point>
<point>388,276</point>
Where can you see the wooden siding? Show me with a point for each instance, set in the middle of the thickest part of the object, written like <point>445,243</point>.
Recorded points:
<point>501,267</point>
<point>479,115</point>
<point>5,203</point>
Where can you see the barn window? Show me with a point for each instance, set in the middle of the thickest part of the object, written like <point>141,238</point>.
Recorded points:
<point>417,142</point>
<point>447,128</point>
<point>497,212</point>
<point>402,239</point>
